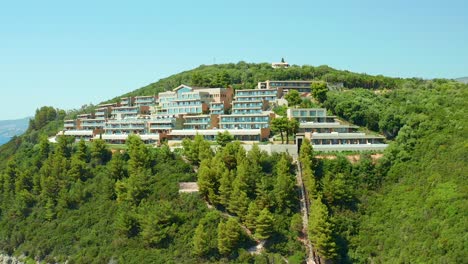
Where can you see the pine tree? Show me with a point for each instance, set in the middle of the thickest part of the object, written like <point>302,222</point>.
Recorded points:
<point>228,236</point>
<point>264,193</point>
<point>321,229</point>
<point>100,154</point>
<point>306,151</point>
<point>140,158</point>
<point>81,151</point>
<point>336,189</point>
<point>49,209</point>
<point>78,169</point>
<point>239,203</point>
<point>200,241</point>
<point>225,188</point>
<point>134,188</point>
<point>252,215</point>
<point>310,183</point>
<point>117,167</point>
<point>264,225</point>
<point>284,189</point>
<point>208,182</point>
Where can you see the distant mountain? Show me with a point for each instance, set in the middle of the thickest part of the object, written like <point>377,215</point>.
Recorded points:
<point>462,79</point>
<point>11,128</point>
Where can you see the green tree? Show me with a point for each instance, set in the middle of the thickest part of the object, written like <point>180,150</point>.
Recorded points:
<point>319,91</point>
<point>321,230</point>
<point>296,224</point>
<point>239,200</point>
<point>197,149</point>
<point>82,151</point>
<point>264,226</point>
<point>292,128</point>
<point>223,138</point>
<point>201,241</point>
<point>209,174</point>
<point>140,157</point>
<point>205,239</point>
<point>225,188</point>
<point>158,223</point>
<point>78,169</point>
<point>336,189</point>
<point>306,151</point>
<point>284,189</point>
<point>252,215</point>
<point>280,125</point>
<point>228,236</point>
<point>100,154</point>
<point>293,97</point>
<point>117,167</point>
<point>134,188</point>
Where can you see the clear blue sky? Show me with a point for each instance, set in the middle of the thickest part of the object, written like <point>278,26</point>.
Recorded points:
<point>69,53</point>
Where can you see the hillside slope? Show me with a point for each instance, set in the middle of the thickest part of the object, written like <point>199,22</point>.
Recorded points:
<point>409,207</point>
<point>11,128</point>
<point>462,80</point>
<point>244,75</point>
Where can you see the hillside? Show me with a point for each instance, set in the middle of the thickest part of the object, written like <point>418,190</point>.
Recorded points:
<point>244,75</point>
<point>11,128</point>
<point>79,203</point>
<point>462,80</point>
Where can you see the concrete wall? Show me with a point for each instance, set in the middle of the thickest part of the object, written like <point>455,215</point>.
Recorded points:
<point>291,149</point>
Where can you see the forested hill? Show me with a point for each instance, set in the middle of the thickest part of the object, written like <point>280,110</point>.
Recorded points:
<point>83,204</point>
<point>244,75</point>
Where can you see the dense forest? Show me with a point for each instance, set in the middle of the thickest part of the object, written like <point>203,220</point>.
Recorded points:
<point>82,203</point>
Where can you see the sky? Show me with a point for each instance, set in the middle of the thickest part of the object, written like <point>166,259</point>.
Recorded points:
<point>70,53</point>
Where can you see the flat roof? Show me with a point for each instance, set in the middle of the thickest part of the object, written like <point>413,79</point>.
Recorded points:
<point>77,133</point>
<point>290,81</point>
<point>214,132</point>
<point>125,136</point>
<point>325,125</point>
<point>350,147</point>
<point>335,135</point>
<point>196,116</point>
<point>240,115</point>
<point>306,109</point>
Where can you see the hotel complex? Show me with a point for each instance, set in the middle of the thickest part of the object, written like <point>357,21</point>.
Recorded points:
<point>187,111</point>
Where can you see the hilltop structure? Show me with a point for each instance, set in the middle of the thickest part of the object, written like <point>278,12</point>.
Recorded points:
<point>187,111</point>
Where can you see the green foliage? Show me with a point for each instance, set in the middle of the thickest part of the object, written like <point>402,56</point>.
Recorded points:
<point>252,215</point>
<point>205,239</point>
<point>72,202</point>
<point>244,75</point>
<point>264,225</point>
<point>228,236</point>
<point>320,230</point>
<point>280,110</point>
<point>319,91</point>
<point>280,125</point>
<point>223,138</point>
<point>293,97</point>
<point>284,189</point>
<point>196,150</point>
<point>296,224</point>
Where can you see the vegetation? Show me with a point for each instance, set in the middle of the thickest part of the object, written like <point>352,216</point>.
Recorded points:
<point>256,191</point>
<point>409,206</point>
<point>244,75</point>
<point>81,203</point>
<point>293,97</point>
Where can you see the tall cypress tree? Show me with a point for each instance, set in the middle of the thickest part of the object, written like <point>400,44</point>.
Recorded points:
<point>321,230</point>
